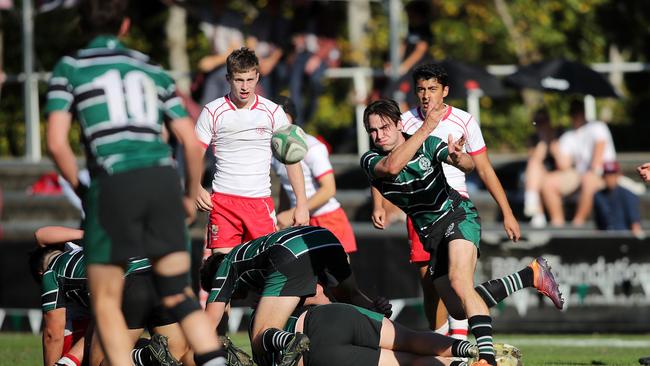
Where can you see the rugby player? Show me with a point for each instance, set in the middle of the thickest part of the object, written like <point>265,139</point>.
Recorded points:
<point>407,170</point>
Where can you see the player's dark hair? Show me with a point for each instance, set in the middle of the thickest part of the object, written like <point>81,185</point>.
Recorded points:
<point>541,116</point>
<point>36,260</point>
<point>209,269</point>
<point>102,16</point>
<point>242,60</point>
<point>384,108</point>
<point>431,71</point>
<point>288,106</point>
<point>577,107</point>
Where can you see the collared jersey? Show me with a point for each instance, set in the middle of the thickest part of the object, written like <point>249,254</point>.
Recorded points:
<point>121,100</point>
<point>315,165</point>
<point>241,142</point>
<point>420,189</point>
<point>457,123</point>
<point>65,279</point>
<point>248,264</point>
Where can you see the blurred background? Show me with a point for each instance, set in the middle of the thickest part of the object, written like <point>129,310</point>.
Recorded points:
<point>506,59</point>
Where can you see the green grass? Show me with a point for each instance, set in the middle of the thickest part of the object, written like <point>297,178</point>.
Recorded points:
<point>24,349</point>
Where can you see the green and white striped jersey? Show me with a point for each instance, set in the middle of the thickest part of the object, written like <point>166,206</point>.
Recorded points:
<point>65,279</point>
<point>121,100</point>
<point>420,189</point>
<point>248,263</point>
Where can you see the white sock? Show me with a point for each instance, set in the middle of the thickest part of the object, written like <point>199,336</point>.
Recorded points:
<point>444,329</point>
<point>458,328</point>
<point>531,203</point>
<point>66,361</point>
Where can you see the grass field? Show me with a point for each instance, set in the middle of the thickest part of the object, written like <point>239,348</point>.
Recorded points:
<point>24,349</point>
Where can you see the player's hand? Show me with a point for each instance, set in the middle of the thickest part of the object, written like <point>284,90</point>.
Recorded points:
<point>644,172</point>
<point>381,305</point>
<point>455,148</point>
<point>300,216</point>
<point>204,200</point>
<point>190,210</point>
<point>285,219</point>
<point>434,114</point>
<point>511,226</point>
<point>379,218</point>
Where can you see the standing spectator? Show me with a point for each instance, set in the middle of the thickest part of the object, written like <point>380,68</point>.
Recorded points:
<point>615,207</point>
<point>238,127</point>
<point>320,187</point>
<point>315,50</point>
<point>121,100</point>
<point>543,147</point>
<point>269,38</point>
<point>225,35</point>
<point>414,51</point>
<point>582,152</point>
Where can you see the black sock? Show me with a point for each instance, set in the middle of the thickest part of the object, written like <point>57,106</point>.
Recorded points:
<point>494,291</point>
<point>274,339</point>
<point>460,348</point>
<point>142,357</point>
<point>214,358</point>
<point>481,326</point>
<point>458,363</point>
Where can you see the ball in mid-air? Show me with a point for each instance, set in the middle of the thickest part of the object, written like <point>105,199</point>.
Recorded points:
<point>289,144</point>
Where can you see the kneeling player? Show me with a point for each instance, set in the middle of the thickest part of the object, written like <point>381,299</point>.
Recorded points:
<point>284,267</point>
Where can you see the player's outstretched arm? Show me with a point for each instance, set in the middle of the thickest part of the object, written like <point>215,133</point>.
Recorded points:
<point>297,180</point>
<point>348,291</point>
<point>215,312</point>
<point>53,337</point>
<point>379,220</point>
<point>49,235</point>
<point>58,145</point>
<point>457,157</point>
<point>489,177</point>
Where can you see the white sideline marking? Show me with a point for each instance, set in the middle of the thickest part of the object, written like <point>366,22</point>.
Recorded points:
<point>572,342</point>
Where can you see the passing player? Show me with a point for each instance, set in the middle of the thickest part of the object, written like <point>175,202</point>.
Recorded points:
<point>407,171</point>
<point>320,187</point>
<point>238,128</point>
<point>283,268</point>
<point>431,87</point>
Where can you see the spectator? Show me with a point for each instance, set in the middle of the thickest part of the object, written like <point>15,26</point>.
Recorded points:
<point>269,38</point>
<point>582,152</point>
<point>413,52</point>
<point>543,147</point>
<point>225,35</point>
<point>615,207</point>
<point>315,50</point>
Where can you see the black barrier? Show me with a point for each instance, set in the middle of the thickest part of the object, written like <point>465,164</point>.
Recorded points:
<point>605,278</point>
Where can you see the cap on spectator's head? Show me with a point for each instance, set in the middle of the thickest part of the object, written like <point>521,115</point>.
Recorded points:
<point>577,107</point>
<point>541,116</point>
<point>611,167</point>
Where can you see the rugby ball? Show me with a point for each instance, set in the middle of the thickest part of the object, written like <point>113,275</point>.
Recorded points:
<point>289,144</point>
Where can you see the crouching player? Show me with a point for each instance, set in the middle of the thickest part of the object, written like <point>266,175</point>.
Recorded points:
<point>61,270</point>
<point>284,268</point>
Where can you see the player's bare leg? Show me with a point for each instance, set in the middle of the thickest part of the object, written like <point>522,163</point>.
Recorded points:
<point>172,269</point>
<point>271,315</point>
<point>434,308</point>
<point>552,196</point>
<point>106,283</point>
<point>177,344</point>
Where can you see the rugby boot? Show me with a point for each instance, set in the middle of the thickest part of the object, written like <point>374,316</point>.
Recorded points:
<point>545,282</point>
<point>294,350</point>
<point>236,356</point>
<point>159,349</point>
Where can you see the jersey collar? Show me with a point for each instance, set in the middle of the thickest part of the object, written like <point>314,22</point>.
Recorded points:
<point>106,41</point>
<point>234,107</point>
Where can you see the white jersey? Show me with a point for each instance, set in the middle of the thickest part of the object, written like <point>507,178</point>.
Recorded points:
<point>579,144</point>
<point>457,123</point>
<point>241,142</point>
<point>315,165</point>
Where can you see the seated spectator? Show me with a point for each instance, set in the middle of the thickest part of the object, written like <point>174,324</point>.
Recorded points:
<point>582,152</point>
<point>542,148</point>
<point>615,207</point>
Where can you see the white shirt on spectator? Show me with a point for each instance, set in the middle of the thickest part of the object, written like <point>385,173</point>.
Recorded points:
<point>579,144</point>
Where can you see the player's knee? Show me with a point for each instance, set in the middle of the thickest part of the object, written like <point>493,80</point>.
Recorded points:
<point>176,296</point>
